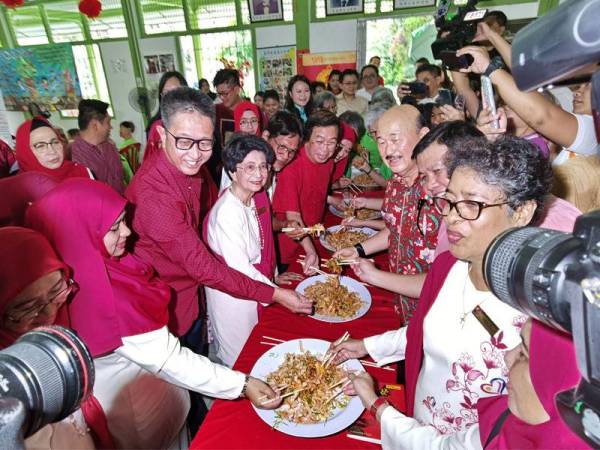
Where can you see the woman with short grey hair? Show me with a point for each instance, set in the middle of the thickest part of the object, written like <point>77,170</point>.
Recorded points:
<point>325,100</point>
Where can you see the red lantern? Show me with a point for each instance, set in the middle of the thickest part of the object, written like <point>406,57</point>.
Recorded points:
<point>13,3</point>
<point>91,8</point>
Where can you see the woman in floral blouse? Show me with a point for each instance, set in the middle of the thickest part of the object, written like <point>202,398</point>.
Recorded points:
<point>454,346</point>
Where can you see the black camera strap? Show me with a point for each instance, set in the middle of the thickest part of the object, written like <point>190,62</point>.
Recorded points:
<point>497,426</point>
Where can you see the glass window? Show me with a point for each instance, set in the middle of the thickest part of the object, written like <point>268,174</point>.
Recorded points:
<point>90,72</point>
<point>232,49</point>
<point>111,23</point>
<point>209,14</point>
<point>188,55</point>
<point>393,39</point>
<point>64,20</point>
<point>162,16</point>
<point>28,26</point>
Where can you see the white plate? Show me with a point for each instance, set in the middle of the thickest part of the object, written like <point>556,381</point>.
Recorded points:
<point>352,285</point>
<point>369,231</point>
<point>341,418</point>
<point>336,212</point>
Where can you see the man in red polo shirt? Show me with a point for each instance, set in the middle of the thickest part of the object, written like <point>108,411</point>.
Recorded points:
<point>301,191</point>
<point>165,192</point>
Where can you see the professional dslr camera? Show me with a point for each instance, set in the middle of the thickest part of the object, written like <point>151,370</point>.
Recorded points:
<point>549,275</point>
<point>456,33</point>
<point>44,376</point>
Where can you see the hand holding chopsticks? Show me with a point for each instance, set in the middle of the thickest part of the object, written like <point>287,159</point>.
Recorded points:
<point>310,264</point>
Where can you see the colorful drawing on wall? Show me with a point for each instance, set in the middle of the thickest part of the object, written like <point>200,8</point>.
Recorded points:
<point>264,10</point>
<point>45,75</point>
<point>318,66</point>
<point>159,63</point>
<point>276,65</point>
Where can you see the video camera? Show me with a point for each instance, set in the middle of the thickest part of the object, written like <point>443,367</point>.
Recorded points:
<point>44,376</point>
<point>456,33</point>
<point>553,276</point>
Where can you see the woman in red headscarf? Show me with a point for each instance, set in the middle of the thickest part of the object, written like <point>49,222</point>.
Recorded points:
<point>34,285</point>
<point>248,118</point>
<point>121,312</point>
<point>39,148</point>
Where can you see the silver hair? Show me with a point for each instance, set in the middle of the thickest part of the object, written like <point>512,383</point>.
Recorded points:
<point>373,114</point>
<point>384,96</point>
<point>322,98</point>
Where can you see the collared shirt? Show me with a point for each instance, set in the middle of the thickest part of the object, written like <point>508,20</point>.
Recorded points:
<point>103,160</point>
<point>410,251</point>
<point>167,220</point>
<point>357,104</point>
<point>301,187</point>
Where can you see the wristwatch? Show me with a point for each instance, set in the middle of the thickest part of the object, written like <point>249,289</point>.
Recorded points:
<point>378,404</point>
<point>495,64</point>
<point>360,250</point>
<point>243,393</point>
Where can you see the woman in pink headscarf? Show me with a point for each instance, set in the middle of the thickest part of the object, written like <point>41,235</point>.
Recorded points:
<point>40,149</point>
<point>121,312</point>
<point>34,285</point>
<point>543,365</point>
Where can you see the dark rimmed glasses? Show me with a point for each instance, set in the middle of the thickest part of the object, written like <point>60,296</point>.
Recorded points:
<point>466,209</point>
<point>185,143</point>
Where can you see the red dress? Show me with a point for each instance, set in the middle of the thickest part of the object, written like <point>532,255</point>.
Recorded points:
<point>410,251</point>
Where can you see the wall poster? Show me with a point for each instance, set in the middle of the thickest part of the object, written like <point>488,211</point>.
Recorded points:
<point>276,65</point>
<point>318,66</point>
<point>44,74</point>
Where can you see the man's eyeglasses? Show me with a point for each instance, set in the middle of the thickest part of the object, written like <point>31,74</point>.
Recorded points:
<point>466,209</point>
<point>281,148</point>
<point>32,312</point>
<point>250,169</point>
<point>184,143</point>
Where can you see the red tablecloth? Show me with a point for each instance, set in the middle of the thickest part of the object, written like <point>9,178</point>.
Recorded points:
<point>235,425</point>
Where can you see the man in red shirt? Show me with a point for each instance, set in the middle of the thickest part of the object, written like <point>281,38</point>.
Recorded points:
<point>165,192</point>
<point>227,84</point>
<point>301,191</point>
<point>93,148</point>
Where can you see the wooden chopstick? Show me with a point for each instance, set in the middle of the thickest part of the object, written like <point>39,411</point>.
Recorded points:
<point>328,356</point>
<point>280,387</point>
<point>338,392</point>
<point>273,339</point>
<point>371,364</point>
<point>282,396</point>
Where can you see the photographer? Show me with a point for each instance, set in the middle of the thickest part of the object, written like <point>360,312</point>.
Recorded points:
<point>34,285</point>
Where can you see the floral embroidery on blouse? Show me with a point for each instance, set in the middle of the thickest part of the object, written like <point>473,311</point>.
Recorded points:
<point>413,239</point>
<point>471,377</point>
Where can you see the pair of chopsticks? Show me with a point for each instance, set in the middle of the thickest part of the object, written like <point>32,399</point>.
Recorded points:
<point>279,397</point>
<point>316,269</point>
<point>315,230</point>
<point>372,364</point>
<point>328,356</point>
<point>356,190</point>
<point>268,340</point>
<point>339,261</point>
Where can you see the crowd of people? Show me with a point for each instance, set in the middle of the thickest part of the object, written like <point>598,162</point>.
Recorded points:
<point>152,255</point>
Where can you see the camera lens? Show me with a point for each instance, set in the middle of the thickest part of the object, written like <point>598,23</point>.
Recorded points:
<point>50,370</point>
<point>526,268</point>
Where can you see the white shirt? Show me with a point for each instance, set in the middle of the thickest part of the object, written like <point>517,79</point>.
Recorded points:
<point>233,233</point>
<point>585,142</point>
<point>458,362</point>
<point>142,387</point>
